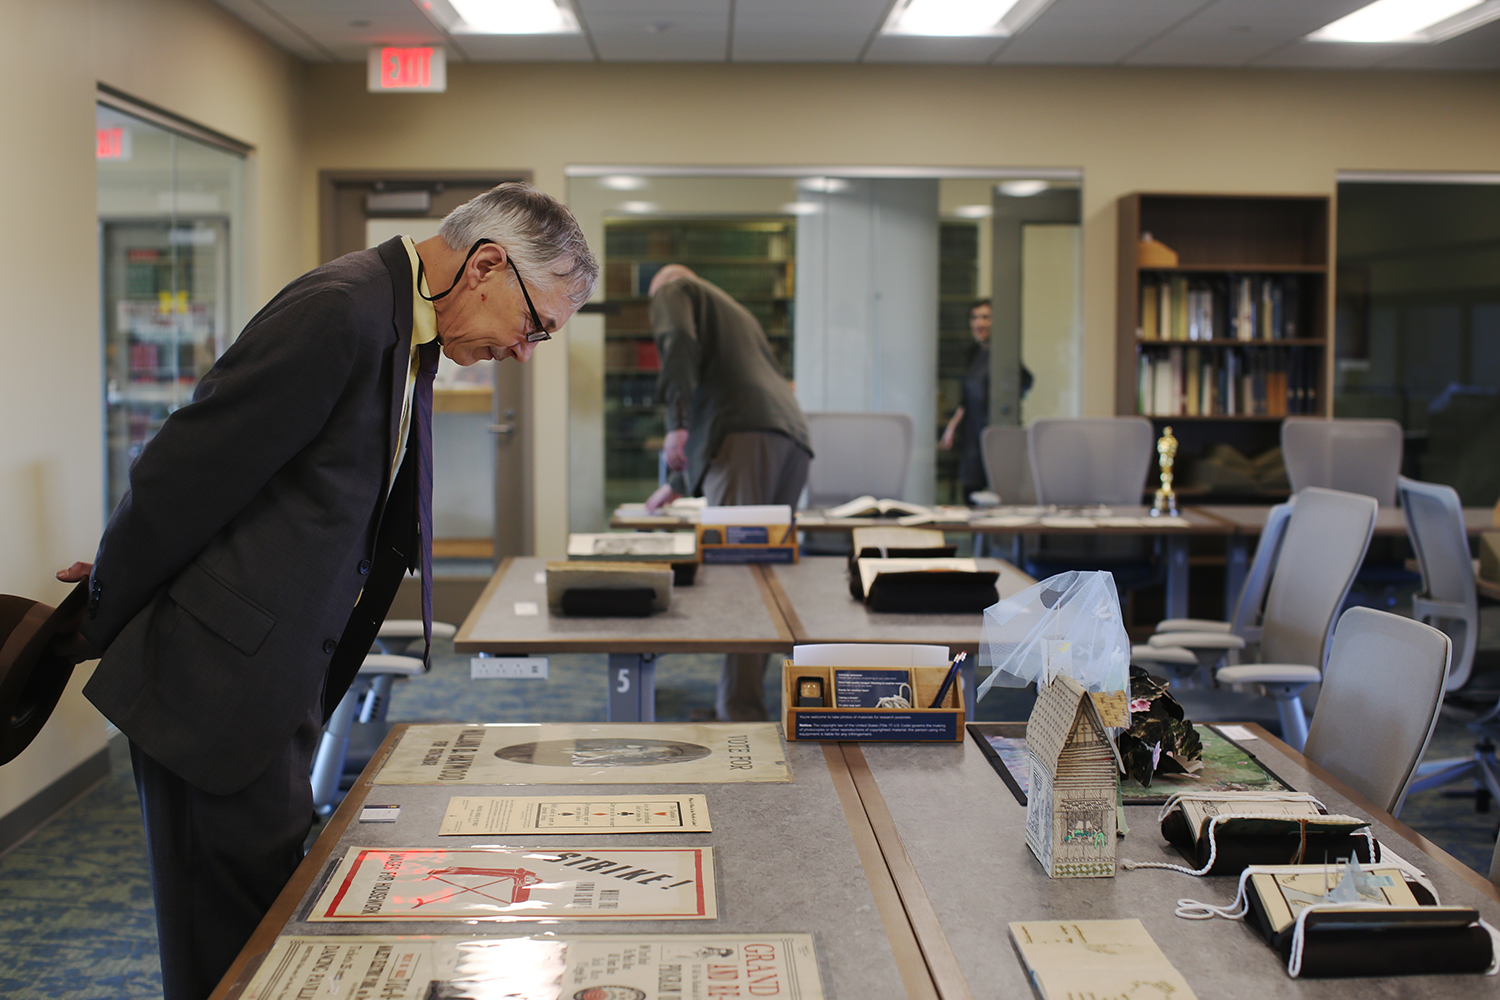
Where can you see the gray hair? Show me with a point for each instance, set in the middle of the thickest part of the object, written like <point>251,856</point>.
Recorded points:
<point>536,230</point>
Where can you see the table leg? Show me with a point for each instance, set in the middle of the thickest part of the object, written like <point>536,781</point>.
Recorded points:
<point>632,687</point>
<point>1236,568</point>
<point>1177,576</point>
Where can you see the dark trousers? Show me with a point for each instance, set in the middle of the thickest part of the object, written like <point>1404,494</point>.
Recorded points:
<point>219,861</point>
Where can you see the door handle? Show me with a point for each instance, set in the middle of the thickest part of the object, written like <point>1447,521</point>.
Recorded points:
<point>508,430</point>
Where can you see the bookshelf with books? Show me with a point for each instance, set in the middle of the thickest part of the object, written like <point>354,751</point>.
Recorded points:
<point>753,259</point>
<point>1222,325</point>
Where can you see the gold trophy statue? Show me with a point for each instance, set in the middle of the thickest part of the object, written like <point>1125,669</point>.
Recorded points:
<point>1166,500</point>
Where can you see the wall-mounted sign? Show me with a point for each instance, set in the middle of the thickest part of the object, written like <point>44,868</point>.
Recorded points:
<point>112,143</point>
<point>413,69</point>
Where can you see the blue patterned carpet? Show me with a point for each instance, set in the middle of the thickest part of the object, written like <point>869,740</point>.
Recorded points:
<point>75,901</point>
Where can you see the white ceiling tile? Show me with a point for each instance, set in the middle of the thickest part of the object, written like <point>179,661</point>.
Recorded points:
<point>915,48</point>
<point>803,46</point>
<point>524,48</point>
<point>1093,50</point>
<point>1321,55</point>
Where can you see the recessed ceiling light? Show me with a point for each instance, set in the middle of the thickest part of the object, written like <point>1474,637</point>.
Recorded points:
<point>1021,189</point>
<point>639,207</point>
<point>1408,21</point>
<point>502,17</point>
<point>801,208</point>
<point>968,18</point>
<point>623,182</point>
<point>973,211</point>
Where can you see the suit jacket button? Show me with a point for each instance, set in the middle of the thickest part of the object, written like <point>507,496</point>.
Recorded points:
<point>329,645</point>
<point>364,566</point>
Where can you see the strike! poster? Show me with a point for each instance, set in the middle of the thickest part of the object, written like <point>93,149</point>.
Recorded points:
<point>606,883</point>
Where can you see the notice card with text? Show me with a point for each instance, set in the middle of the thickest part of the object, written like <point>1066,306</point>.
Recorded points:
<point>476,816</point>
<point>1081,959</point>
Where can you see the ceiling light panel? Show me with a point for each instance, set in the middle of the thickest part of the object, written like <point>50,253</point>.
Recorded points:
<point>1396,21</point>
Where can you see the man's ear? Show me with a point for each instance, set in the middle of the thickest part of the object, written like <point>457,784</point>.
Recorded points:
<point>486,259</point>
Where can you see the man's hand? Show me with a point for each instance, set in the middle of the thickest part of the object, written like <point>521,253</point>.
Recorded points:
<point>674,446</point>
<point>664,495</point>
<point>74,573</point>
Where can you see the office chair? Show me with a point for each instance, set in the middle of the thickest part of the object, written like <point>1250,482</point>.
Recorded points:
<point>1085,462</point>
<point>855,454</point>
<point>1007,465</point>
<point>1379,703</point>
<point>1353,455</point>
<point>1184,646</point>
<point>368,697</point>
<point>1326,538</point>
<point>1450,601</point>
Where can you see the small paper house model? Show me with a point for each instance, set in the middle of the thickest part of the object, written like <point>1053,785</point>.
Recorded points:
<point>1075,778</point>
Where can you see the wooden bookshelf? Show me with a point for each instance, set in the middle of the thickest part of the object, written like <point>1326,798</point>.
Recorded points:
<point>1235,335</point>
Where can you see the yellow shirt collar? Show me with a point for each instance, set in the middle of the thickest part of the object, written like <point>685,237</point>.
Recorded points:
<point>423,314</point>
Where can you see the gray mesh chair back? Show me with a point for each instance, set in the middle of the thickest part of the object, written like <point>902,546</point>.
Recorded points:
<point>1449,600</point>
<point>856,454</point>
<point>1357,456</point>
<point>1251,603</point>
<point>1379,702</point>
<point>1007,469</point>
<point>1326,539</point>
<point>1090,460</point>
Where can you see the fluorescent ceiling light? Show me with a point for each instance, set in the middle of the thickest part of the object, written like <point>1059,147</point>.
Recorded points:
<point>1021,189</point>
<point>502,17</point>
<point>1409,21</point>
<point>623,182</point>
<point>639,207</point>
<point>973,211</point>
<point>801,208</point>
<point>827,185</point>
<point>962,18</point>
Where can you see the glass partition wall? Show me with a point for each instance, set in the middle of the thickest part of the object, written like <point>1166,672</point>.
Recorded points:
<point>1417,320</point>
<point>863,279</point>
<point>170,225</point>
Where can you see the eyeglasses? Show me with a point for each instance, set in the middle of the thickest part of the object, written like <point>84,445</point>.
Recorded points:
<point>540,334</point>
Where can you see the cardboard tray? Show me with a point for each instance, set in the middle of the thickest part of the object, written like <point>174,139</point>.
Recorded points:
<point>900,725</point>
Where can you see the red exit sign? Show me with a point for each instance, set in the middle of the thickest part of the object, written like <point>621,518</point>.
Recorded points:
<point>112,143</point>
<point>419,69</point>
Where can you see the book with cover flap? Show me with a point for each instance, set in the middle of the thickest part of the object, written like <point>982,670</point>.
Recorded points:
<point>924,586</point>
<point>608,588</point>
<point>1239,829</point>
<point>868,506</point>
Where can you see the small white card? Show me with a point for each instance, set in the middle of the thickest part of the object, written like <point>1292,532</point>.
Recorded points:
<point>531,668</point>
<point>1236,733</point>
<point>527,609</point>
<point>500,816</point>
<point>379,814</point>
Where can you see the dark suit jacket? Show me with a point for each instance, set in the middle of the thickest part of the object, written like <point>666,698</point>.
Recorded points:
<point>223,587</point>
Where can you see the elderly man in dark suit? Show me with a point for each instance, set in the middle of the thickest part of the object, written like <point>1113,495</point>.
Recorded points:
<point>241,580</point>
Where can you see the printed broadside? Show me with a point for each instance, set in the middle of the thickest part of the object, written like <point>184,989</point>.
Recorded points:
<point>475,816</point>
<point>555,967</point>
<point>578,754</point>
<point>606,883</point>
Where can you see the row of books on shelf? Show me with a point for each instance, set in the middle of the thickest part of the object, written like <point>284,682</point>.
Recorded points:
<point>632,389</point>
<point>639,354</point>
<point>1222,307</point>
<point>1208,382</point>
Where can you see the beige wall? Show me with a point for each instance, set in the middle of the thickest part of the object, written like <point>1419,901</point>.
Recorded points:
<point>1195,130</point>
<point>184,55</point>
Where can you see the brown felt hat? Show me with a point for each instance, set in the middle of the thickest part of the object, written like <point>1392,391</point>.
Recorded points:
<point>32,673</point>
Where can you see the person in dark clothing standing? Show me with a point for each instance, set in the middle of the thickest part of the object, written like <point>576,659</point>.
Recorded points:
<point>966,427</point>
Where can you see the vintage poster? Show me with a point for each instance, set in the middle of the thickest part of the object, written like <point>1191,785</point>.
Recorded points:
<point>583,754</point>
<point>477,816</point>
<point>554,967</point>
<point>606,883</point>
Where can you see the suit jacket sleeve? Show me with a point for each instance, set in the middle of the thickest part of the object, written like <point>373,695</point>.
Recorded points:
<point>267,397</point>
<point>681,351</point>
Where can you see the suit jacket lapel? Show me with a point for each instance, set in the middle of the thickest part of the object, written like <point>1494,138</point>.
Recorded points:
<point>393,254</point>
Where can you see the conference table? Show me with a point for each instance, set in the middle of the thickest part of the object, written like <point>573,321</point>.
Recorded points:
<point>815,602</point>
<point>903,862</point>
<point>728,609</point>
<point>1013,522</point>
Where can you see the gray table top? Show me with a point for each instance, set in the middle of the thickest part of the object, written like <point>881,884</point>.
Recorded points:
<point>786,856</point>
<point>1250,519</point>
<point>728,609</point>
<point>975,520</point>
<point>964,836</point>
<point>814,596</point>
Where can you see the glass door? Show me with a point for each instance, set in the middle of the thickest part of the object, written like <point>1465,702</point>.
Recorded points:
<point>169,210</point>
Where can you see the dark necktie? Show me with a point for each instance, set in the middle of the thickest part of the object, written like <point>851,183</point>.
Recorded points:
<point>427,366</point>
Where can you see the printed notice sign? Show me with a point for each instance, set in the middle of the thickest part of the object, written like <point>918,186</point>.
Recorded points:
<point>607,883</point>
<point>480,816</point>
<point>555,967</point>
<point>606,754</point>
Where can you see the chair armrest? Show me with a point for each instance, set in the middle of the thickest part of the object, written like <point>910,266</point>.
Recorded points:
<point>1163,655</point>
<point>1197,640</point>
<point>1269,673</point>
<point>383,663</point>
<point>1191,625</point>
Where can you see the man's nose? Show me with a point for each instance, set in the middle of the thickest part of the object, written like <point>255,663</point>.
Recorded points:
<point>522,351</point>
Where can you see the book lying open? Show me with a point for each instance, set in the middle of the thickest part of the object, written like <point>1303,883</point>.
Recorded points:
<point>868,506</point>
